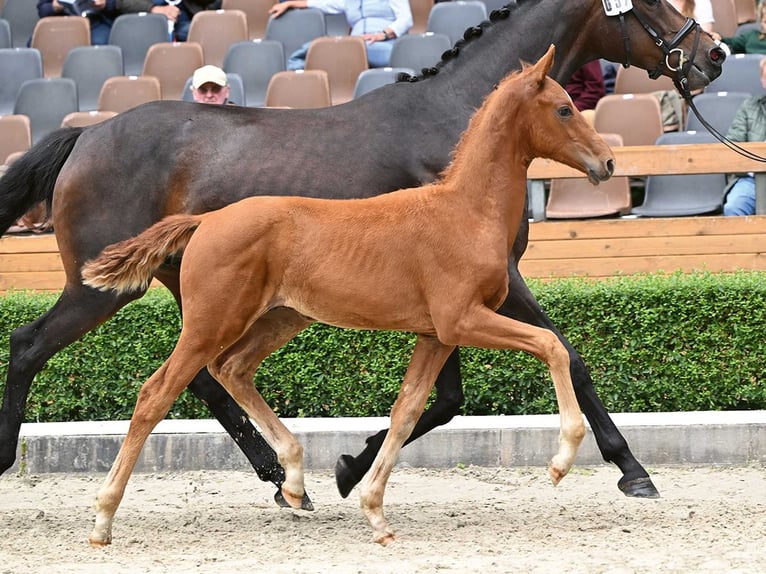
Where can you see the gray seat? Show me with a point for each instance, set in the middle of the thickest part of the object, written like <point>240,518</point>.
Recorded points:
<point>418,51</point>
<point>377,77</point>
<point>46,101</point>
<point>17,65</point>
<point>236,90</point>
<point>295,28</point>
<point>717,108</point>
<point>22,16</point>
<point>741,73</point>
<point>452,18</point>
<point>90,67</point>
<point>682,195</point>
<point>5,34</point>
<point>255,62</point>
<point>336,24</point>
<point>134,34</point>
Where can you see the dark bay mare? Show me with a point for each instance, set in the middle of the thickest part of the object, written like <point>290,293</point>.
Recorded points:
<point>109,182</point>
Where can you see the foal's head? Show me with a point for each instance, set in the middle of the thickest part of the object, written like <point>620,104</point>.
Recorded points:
<point>545,122</point>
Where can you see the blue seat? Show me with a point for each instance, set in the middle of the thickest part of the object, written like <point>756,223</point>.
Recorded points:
<point>17,65</point>
<point>255,62</point>
<point>46,101</point>
<point>134,34</point>
<point>740,73</point>
<point>90,67</point>
<point>295,28</point>
<point>452,18</point>
<point>377,77</point>
<point>717,108</point>
<point>418,51</point>
<point>682,195</point>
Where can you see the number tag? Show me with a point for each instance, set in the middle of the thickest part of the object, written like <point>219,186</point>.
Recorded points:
<point>617,7</point>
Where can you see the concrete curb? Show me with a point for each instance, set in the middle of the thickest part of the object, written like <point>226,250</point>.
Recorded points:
<point>693,438</point>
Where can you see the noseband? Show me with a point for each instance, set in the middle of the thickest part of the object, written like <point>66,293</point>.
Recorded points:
<point>680,69</point>
<point>670,50</point>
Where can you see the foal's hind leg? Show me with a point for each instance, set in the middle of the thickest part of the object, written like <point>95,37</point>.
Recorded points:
<point>428,358</point>
<point>227,412</point>
<point>522,305</point>
<point>235,368</point>
<point>77,311</point>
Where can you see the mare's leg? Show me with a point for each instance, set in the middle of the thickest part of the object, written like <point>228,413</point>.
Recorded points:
<point>231,416</point>
<point>522,305</point>
<point>77,311</point>
<point>482,327</point>
<point>350,470</point>
<point>428,358</point>
<point>155,398</point>
<point>235,369</point>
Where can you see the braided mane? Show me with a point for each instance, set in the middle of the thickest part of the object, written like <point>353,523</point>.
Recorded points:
<point>469,35</point>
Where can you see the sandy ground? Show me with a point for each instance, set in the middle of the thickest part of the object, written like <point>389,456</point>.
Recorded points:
<point>473,519</point>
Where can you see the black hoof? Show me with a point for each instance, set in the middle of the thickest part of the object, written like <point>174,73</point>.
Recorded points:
<point>347,474</point>
<point>639,488</point>
<point>306,503</point>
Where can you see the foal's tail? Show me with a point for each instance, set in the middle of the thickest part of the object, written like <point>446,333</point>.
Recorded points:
<point>129,265</point>
<point>31,178</point>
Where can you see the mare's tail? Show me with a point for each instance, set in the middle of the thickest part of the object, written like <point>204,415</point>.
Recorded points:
<point>129,265</point>
<point>31,178</point>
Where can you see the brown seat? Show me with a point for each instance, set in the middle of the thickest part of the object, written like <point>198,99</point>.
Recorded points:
<point>216,30</point>
<point>85,119</point>
<point>343,58</point>
<point>15,135</point>
<point>635,117</point>
<point>420,10</point>
<point>725,15</point>
<point>256,12</point>
<point>54,36</point>
<point>120,93</point>
<point>172,63</point>
<point>745,11</point>
<point>577,198</point>
<point>298,89</point>
<point>635,80</point>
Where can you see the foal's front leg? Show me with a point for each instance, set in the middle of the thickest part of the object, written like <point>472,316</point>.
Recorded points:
<point>428,358</point>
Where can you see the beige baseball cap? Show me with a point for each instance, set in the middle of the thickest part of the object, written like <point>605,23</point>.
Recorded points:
<point>208,74</point>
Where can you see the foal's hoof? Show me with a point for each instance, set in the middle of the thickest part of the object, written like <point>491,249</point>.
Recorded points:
<point>641,487</point>
<point>347,474</point>
<point>385,538</point>
<point>96,542</point>
<point>281,501</point>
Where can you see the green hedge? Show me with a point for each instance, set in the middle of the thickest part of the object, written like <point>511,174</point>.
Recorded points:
<point>652,343</point>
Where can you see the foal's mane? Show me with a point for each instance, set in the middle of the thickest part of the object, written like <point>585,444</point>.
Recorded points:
<point>471,33</point>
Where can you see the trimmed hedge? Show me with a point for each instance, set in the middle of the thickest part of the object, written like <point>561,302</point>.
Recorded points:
<point>653,343</point>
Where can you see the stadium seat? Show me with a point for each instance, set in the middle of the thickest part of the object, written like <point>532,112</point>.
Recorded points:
<point>15,135</point>
<point>343,58</point>
<point>255,62</point>
<point>295,28</point>
<point>256,12</point>
<point>122,93</point>
<point>452,18</point>
<point>134,34</point>
<point>5,34</point>
<point>299,89</point>
<point>54,36</point>
<point>377,77</point>
<point>172,63</point>
<point>418,51</point>
<point>90,67</point>
<point>22,16</point>
<point>635,117</point>
<point>216,30</point>
<point>740,73</point>
<point>46,101</point>
<point>718,109</point>
<point>85,119</point>
<point>17,65</point>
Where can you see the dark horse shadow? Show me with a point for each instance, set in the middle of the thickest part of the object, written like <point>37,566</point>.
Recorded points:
<point>111,181</point>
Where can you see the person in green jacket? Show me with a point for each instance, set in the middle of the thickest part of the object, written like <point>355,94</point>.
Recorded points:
<point>749,41</point>
<point>748,125</point>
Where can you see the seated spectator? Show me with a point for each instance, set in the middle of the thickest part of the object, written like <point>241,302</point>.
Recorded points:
<point>378,22</point>
<point>748,125</point>
<point>749,41</point>
<point>101,14</point>
<point>210,86</point>
<point>586,88</point>
<point>186,11</point>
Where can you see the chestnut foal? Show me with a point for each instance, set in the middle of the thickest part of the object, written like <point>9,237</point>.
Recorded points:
<point>431,260</point>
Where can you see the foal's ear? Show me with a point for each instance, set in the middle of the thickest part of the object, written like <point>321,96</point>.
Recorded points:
<point>544,65</point>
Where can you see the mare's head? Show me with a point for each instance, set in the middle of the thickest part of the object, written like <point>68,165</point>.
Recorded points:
<point>547,124</point>
<point>653,35</point>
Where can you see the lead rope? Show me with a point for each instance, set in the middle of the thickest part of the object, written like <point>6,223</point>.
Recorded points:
<point>734,146</point>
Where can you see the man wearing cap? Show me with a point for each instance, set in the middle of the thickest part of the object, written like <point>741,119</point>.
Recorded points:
<point>209,85</point>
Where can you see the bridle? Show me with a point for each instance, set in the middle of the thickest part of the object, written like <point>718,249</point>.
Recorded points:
<point>683,64</point>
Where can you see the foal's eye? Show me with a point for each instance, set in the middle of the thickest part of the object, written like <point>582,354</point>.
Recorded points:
<point>565,112</point>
